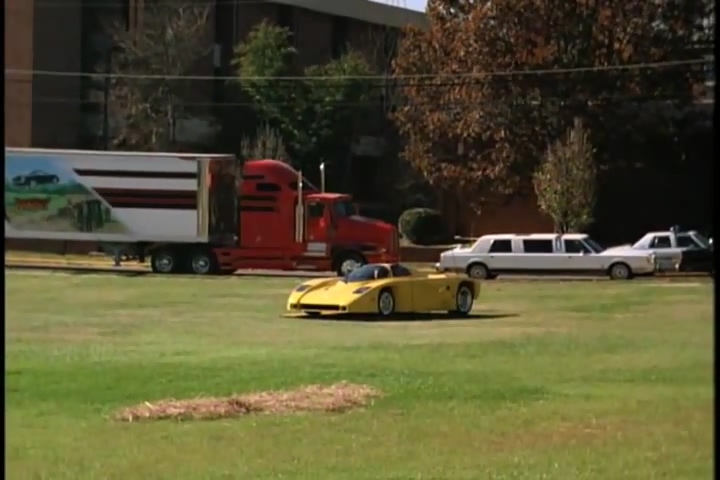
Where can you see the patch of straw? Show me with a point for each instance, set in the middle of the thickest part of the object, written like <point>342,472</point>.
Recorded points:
<point>335,398</point>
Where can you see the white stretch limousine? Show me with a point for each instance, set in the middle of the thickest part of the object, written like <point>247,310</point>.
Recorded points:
<point>545,253</point>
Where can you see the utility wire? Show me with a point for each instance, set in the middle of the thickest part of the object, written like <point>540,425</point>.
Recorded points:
<point>389,104</point>
<point>89,4</point>
<point>467,75</point>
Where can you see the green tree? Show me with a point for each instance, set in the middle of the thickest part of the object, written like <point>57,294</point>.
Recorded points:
<point>566,180</point>
<point>314,113</point>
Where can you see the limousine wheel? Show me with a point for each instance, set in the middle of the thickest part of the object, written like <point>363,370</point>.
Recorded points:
<point>479,271</point>
<point>620,271</point>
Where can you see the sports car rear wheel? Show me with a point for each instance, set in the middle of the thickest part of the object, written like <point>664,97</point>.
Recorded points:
<point>386,303</point>
<point>464,300</point>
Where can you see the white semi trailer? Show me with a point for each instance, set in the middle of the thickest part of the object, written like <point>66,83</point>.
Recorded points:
<point>121,200</point>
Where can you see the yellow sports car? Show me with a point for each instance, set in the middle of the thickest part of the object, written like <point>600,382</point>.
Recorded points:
<point>384,290</point>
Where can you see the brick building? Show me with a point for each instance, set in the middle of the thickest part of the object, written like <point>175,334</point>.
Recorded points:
<point>62,36</point>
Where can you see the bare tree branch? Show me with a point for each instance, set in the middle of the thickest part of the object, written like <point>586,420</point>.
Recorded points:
<point>381,45</point>
<point>170,39</point>
<point>267,144</point>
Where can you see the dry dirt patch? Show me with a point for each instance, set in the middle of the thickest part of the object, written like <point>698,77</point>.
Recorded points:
<point>335,398</point>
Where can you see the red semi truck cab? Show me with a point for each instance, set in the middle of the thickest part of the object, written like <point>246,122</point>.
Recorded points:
<point>286,223</point>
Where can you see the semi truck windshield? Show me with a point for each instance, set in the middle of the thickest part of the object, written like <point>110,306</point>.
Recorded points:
<point>343,208</point>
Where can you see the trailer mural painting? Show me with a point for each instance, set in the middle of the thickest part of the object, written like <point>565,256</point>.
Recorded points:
<point>41,194</point>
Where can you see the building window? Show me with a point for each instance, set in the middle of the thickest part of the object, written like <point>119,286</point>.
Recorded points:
<point>286,19</point>
<point>340,27</point>
<point>126,14</point>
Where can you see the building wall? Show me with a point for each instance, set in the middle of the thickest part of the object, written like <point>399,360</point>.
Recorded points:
<point>56,102</point>
<point>47,111</point>
<point>18,56</point>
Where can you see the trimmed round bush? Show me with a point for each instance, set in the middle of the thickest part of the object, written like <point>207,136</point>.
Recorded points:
<point>423,226</point>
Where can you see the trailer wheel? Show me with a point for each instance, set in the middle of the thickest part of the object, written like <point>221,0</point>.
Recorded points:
<point>164,261</point>
<point>203,262</point>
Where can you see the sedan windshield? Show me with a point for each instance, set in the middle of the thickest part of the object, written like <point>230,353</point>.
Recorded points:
<point>367,272</point>
<point>704,242</point>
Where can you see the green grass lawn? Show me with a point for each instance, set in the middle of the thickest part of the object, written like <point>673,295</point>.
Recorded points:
<point>606,380</point>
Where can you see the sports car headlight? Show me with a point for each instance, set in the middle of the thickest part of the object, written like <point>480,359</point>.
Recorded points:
<point>302,288</point>
<point>360,290</point>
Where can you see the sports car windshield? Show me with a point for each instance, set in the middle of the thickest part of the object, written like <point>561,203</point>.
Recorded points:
<point>366,273</point>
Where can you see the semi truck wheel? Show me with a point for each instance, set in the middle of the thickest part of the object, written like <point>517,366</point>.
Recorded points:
<point>164,261</point>
<point>203,262</point>
<point>346,262</point>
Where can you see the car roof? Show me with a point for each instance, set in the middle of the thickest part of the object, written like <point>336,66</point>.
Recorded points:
<point>668,232</point>
<point>536,236</point>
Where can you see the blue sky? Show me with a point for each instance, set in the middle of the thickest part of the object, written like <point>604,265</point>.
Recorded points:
<point>418,5</point>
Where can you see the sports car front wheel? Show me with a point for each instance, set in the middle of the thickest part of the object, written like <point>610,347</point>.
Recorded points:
<point>386,303</point>
<point>464,299</point>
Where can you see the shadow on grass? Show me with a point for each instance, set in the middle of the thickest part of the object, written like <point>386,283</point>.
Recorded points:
<point>117,273</point>
<point>410,317</point>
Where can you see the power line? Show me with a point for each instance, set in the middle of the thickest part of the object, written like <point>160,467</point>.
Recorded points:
<point>468,75</point>
<point>155,5</point>
<point>215,104</point>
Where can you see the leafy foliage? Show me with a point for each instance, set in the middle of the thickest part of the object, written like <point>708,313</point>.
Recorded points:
<point>423,226</point>
<point>311,115</point>
<point>481,135</point>
<point>267,143</point>
<point>566,181</point>
<point>172,37</point>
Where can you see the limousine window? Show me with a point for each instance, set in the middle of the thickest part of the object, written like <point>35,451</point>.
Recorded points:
<point>501,246</point>
<point>576,246</point>
<point>538,246</point>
